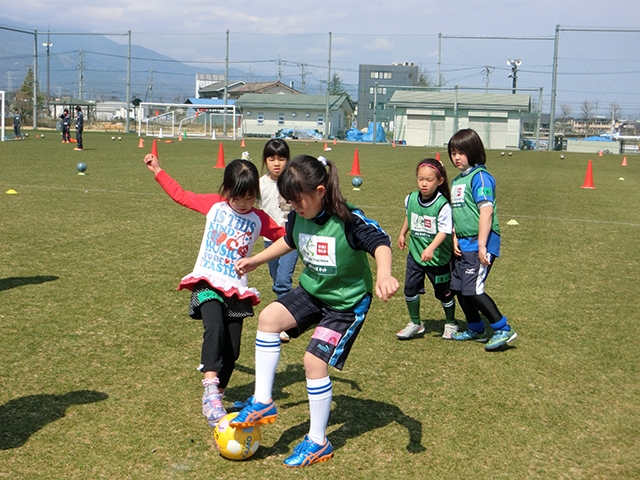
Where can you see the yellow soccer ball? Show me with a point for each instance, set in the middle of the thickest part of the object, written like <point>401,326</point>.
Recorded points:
<point>236,443</point>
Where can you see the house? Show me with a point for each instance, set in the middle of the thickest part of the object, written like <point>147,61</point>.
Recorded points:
<point>58,105</point>
<point>236,89</point>
<point>265,114</point>
<point>425,118</point>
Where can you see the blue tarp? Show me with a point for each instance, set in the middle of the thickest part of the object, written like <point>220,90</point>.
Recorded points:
<point>298,133</point>
<point>355,135</point>
<point>595,139</point>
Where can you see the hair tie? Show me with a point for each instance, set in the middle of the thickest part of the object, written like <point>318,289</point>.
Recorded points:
<point>322,160</point>
<point>430,165</point>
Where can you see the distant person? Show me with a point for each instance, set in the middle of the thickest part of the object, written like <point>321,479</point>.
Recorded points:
<point>66,126</point>
<point>275,156</point>
<point>79,127</point>
<point>220,297</point>
<point>476,241</point>
<point>17,123</point>
<point>428,225</point>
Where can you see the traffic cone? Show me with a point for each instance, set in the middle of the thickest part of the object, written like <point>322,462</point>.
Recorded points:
<point>242,143</point>
<point>326,147</point>
<point>141,143</point>
<point>624,162</point>
<point>220,163</point>
<point>438,157</point>
<point>335,142</point>
<point>154,148</point>
<point>179,138</point>
<point>600,153</point>
<point>588,178</point>
<point>393,143</point>
<point>355,167</point>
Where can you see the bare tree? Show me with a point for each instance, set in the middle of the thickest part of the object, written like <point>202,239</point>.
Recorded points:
<point>566,111</point>
<point>616,112</point>
<point>587,112</point>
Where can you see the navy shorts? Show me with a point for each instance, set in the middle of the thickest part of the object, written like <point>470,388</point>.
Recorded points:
<point>335,331</point>
<point>468,275</point>
<point>440,278</point>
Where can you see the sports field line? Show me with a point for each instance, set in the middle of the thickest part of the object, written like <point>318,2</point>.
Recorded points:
<point>92,190</point>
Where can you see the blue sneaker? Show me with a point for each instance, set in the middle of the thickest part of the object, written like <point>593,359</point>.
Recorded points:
<point>255,413</point>
<point>500,338</point>
<point>470,335</point>
<point>309,452</point>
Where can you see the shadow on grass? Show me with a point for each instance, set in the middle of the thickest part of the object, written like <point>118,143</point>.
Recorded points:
<point>13,282</point>
<point>356,416</point>
<point>24,416</point>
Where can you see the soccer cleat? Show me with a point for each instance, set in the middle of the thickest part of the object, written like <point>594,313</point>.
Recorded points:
<point>500,338</point>
<point>411,330</point>
<point>255,413</point>
<point>212,407</point>
<point>309,452</point>
<point>284,337</point>
<point>470,335</point>
<point>449,330</point>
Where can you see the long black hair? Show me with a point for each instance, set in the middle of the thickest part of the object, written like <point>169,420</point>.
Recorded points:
<point>468,141</point>
<point>304,174</point>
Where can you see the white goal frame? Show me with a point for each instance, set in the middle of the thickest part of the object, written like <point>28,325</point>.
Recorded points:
<point>2,124</point>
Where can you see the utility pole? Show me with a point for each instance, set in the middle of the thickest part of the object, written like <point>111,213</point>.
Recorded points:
<point>326,110</point>
<point>279,68</point>
<point>303,78</point>
<point>81,73</point>
<point>48,45</point>
<point>487,72</point>
<point>514,64</point>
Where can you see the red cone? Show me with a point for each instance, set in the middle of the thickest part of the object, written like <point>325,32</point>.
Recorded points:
<point>588,178</point>
<point>220,163</point>
<point>154,148</point>
<point>355,168</point>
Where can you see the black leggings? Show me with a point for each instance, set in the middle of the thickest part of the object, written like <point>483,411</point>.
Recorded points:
<point>472,306</point>
<point>220,341</point>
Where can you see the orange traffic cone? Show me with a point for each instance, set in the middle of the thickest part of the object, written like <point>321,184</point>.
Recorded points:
<point>600,153</point>
<point>179,137</point>
<point>220,163</point>
<point>438,157</point>
<point>588,178</point>
<point>326,147</point>
<point>335,142</point>
<point>242,143</point>
<point>141,143</point>
<point>393,143</point>
<point>154,148</point>
<point>624,162</point>
<point>355,168</point>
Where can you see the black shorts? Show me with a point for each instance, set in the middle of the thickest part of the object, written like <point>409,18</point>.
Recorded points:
<point>440,278</point>
<point>468,275</point>
<point>335,330</point>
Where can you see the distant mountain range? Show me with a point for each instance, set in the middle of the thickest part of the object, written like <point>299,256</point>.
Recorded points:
<point>102,63</point>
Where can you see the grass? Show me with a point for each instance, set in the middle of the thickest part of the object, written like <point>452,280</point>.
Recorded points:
<point>98,355</point>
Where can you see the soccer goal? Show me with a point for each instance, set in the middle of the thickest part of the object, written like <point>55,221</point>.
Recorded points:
<point>191,120</point>
<point>2,97</point>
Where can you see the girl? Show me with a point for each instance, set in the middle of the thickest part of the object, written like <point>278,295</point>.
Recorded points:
<point>428,221</point>
<point>275,156</point>
<point>476,240</point>
<point>332,239</point>
<point>219,296</point>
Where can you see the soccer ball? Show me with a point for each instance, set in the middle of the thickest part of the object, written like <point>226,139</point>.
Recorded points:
<point>119,138</point>
<point>236,443</point>
<point>81,167</point>
<point>561,157</point>
<point>42,136</point>
<point>502,153</point>
<point>356,181</point>
<point>113,138</point>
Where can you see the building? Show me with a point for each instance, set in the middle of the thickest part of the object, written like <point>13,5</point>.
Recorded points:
<point>387,77</point>
<point>203,80</point>
<point>265,114</point>
<point>431,118</point>
<point>236,89</point>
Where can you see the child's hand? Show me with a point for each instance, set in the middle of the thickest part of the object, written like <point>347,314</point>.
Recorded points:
<point>401,243</point>
<point>456,247</point>
<point>482,256</point>
<point>427,254</point>
<point>152,163</point>
<point>245,265</point>
<point>386,287</point>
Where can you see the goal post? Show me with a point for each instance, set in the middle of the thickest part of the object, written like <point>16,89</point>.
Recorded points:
<point>4,113</point>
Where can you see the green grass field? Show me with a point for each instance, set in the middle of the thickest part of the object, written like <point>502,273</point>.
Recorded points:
<point>98,356</point>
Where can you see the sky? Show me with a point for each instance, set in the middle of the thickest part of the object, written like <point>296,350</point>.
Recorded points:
<point>288,38</point>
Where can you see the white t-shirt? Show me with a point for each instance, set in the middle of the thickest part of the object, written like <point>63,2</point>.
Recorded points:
<point>271,201</point>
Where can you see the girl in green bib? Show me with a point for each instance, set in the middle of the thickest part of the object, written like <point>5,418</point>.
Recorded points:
<point>333,239</point>
<point>429,226</point>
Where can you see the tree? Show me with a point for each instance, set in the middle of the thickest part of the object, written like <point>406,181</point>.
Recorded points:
<point>24,97</point>
<point>425,79</point>
<point>336,87</point>
<point>587,110</point>
<point>616,112</point>
<point>566,111</point>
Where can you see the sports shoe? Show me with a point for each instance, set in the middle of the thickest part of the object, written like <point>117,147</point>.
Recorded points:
<point>411,330</point>
<point>449,330</point>
<point>255,413</point>
<point>309,452</point>
<point>470,335</point>
<point>212,407</point>
<point>500,338</point>
<point>284,337</point>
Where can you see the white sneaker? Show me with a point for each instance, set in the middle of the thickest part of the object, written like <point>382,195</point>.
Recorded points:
<point>449,330</point>
<point>284,337</point>
<point>411,330</point>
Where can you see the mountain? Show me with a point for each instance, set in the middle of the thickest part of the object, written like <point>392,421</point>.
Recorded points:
<point>103,64</point>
